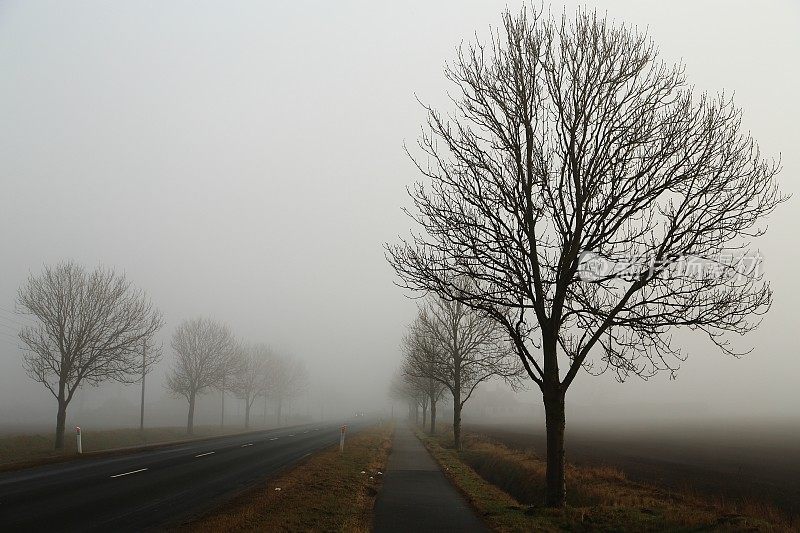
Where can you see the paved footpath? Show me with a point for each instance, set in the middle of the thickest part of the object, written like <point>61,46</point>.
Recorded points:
<point>416,496</point>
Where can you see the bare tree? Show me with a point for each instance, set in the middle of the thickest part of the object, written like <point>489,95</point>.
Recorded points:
<point>404,388</point>
<point>421,365</point>
<point>91,327</point>
<point>569,138</point>
<point>288,380</point>
<point>252,376</point>
<point>230,367</point>
<point>467,348</point>
<point>202,348</point>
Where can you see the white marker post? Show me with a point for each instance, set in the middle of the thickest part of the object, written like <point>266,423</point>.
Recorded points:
<point>341,438</point>
<point>78,436</point>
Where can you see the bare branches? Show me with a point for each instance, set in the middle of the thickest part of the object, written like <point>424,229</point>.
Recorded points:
<point>91,327</point>
<point>253,371</point>
<point>570,136</point>
<point>459,348</point>
<point>203,349</point>
<point>288,378</point>
<point>453,347</point>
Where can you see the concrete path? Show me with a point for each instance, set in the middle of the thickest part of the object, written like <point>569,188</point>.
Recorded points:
<point>416,496</point>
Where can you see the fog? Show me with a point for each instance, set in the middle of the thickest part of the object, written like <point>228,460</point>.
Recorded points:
<point>245,161</point>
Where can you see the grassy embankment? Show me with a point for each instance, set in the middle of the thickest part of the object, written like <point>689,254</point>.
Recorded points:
<point>330,491</point>
<point>26,450</point>
<point>507,488</point>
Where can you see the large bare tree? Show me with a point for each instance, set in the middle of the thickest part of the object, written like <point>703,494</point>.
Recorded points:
<point>462,348</point>
<point>90,327</point>
<point>203,349</point>
<point>571,139</point>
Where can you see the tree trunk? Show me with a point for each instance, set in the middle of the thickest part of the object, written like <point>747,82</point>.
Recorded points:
<point>247,414</point>
<point>222,412</point>
<point>424,416</point>
<point>433,416</point>
<point>190,418</point>
<point>457,423</point>
<point>278,411</point>
<point>61,420</point>
<point>556,491</point>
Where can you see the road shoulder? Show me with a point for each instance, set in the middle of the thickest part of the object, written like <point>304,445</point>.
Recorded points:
<point>328,491</point>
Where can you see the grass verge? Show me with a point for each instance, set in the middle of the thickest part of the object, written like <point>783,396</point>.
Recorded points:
<point>330,491</point>
<point>506,487</point>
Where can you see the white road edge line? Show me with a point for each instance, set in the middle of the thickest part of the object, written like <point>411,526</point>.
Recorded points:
<point>129,473</point>
<point>204,454</point>
<point>246,445</point>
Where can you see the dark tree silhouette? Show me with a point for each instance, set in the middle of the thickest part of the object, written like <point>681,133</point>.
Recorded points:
<point>569,138</point>
<point>91,327</point>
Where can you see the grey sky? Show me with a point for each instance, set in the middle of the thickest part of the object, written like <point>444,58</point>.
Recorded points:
<point>244,160</point>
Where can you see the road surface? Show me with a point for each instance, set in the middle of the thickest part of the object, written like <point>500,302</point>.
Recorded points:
<point>152,488</point>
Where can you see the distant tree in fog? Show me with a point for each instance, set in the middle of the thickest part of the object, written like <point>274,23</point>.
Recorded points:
<point>575,172</point>
<point>288,379</point>
<point>230,368</point>
<point>460,348</point>
<point>406,389</point>
<point>421,365</point>
<point>253,375</point>
<point>91,327</point>
<point>203,349</point>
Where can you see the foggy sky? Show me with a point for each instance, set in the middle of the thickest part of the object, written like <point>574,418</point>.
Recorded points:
<point>244,160</point>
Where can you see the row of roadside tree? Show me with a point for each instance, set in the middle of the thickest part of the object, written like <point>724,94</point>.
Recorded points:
<point>90,327</point>
<point>448,350</point>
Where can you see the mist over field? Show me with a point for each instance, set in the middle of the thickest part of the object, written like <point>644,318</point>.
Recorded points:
<point>246,163</point>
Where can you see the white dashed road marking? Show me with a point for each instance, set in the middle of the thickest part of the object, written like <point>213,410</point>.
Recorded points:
<point>129,473</point>
<point>204,454</point>
<point>274,438</point>
<point>246,445</point>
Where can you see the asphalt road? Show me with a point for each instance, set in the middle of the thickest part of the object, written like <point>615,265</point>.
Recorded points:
<point>154,488</point>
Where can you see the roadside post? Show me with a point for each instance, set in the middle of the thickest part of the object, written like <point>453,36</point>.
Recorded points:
<point>341,438</point>
<point>78,437</point>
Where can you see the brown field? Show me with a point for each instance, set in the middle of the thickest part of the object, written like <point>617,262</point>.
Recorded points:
<point>507,488</point>
<point>745,465</point>
<point>330,491</point>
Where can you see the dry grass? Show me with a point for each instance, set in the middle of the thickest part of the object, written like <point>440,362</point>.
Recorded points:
<point>328,492</point>
<point>507,487</point>
<point>20,451</point>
